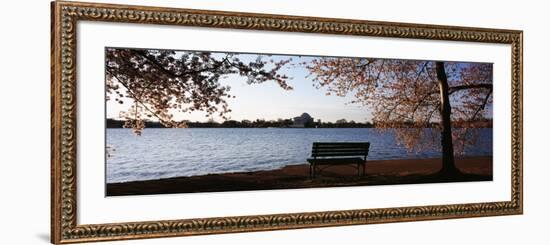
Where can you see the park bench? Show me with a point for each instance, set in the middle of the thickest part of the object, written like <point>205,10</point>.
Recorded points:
<point>338,153</point>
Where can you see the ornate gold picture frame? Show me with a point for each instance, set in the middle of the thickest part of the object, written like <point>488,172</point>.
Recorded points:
<point>64,187</point>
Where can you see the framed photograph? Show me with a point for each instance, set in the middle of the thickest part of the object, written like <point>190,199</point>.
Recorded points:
<point>174,122</point>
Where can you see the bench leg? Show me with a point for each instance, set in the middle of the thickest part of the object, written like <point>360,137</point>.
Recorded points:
<point>364,165</point>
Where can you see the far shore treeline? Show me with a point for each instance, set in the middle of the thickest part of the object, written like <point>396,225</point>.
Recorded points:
<point>288,123</point>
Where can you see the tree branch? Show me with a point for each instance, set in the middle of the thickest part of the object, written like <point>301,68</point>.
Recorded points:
<point>470,86</point>
<point>138,100</point>
<point>482,106</point>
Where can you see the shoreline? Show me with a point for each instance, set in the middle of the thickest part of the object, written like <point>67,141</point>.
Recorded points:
<point>378,172</point>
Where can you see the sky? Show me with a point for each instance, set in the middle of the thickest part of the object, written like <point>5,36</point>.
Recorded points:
<point>269,101</point>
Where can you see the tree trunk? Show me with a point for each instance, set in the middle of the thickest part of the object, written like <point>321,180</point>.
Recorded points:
<point>448,167</point>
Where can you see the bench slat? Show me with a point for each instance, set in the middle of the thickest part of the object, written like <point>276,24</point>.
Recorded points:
<point>340,150</point>
<point>340,144</point>
<point>328,161</point>
<point>341,147</point>
<point>339,154</point>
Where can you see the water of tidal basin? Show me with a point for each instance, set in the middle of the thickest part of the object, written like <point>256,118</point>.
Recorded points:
<point>164,153</point>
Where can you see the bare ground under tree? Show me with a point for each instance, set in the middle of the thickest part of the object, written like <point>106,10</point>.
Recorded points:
<point>383,172</point>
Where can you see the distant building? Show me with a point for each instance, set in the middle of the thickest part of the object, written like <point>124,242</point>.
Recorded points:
<point>302,121</point>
